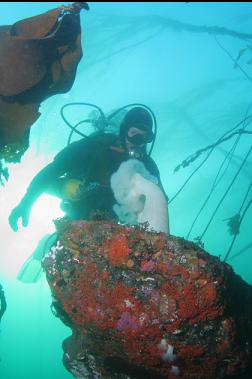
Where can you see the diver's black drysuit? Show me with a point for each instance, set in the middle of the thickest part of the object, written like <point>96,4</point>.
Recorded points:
<point>92,161</point>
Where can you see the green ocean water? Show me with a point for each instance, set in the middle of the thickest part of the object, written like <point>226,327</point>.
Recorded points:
<point>198,82</point>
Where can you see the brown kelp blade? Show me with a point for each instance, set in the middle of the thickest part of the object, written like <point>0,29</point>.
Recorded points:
<point>38,58</point>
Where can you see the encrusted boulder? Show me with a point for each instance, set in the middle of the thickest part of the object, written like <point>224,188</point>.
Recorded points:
<point>144,305</point>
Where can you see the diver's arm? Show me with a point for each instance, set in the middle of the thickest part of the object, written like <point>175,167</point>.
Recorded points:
<point>39,185</point>
<point>74,155</point>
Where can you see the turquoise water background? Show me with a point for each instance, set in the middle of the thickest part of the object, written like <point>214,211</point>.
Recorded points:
<point>131,54</point>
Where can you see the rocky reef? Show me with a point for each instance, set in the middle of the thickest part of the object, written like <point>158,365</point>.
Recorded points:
<point>146,305</point>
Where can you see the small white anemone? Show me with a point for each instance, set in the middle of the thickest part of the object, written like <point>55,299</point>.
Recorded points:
<point>168,351</point>
<point>175,370</point>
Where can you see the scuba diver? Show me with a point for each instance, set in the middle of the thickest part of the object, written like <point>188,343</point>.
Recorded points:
<point>80,173</point>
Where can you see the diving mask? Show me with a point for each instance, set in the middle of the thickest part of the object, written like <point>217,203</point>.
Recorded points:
<point>139,136</point>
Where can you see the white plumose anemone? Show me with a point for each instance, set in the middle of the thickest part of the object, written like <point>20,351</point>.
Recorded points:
<point>139,199</point>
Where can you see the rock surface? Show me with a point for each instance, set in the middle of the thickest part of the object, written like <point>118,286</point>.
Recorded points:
<point>144,305</point>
